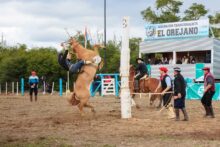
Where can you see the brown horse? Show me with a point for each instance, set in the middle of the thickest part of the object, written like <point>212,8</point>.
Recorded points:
<point>96,48</point>
<point>131,85</point>
<point>146,85</point>
<point>131,81</point>
<point>81,89</point>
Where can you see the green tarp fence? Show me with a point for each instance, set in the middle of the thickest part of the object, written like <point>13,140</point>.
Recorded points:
<point>199,72</point>
<point>194,91</point>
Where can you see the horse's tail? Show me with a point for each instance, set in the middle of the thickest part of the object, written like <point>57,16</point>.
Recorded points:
<point>74,101</point>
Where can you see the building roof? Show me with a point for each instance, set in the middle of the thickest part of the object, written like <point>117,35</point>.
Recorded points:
<point>179,45</point>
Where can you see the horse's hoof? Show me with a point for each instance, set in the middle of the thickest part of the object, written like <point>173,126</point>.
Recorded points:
<point>138,107</point>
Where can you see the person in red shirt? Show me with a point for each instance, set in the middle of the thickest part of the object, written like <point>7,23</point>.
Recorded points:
<point>209,91</point>
<point>166,84</point>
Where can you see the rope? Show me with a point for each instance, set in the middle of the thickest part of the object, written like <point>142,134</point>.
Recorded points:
<point>167,104</point>
<point>155,93</point>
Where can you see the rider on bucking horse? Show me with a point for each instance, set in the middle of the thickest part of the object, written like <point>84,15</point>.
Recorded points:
<point>65,61</point>
<point>141,71</point>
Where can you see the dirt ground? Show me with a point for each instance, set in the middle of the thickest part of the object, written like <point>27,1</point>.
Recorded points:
<point>51,121</point>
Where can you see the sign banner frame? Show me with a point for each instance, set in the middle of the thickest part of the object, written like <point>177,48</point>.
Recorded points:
<point>185,29</point>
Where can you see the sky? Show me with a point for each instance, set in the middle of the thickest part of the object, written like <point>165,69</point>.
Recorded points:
<point>42,23</point>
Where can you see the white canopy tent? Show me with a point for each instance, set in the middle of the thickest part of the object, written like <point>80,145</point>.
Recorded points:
<point>183,45</point>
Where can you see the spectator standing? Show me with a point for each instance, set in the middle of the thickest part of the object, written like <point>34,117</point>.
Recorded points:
<point>166,84</point>
<point>209,91</point>
<point>179,94</point>
<point>166,60</point>
<point>33,83</point>
<point>171,60</point>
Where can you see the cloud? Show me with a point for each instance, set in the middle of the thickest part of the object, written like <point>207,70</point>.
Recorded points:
<point>42,22</point>
<point>35,21</point>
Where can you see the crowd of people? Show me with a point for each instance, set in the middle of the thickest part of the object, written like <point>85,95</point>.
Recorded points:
<point>175,89</point>
<point>169,60</point>
<point>179,89</point>
<point>186,60</point>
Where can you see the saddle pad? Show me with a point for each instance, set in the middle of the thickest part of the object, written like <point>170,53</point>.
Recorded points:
<point>97,59</point>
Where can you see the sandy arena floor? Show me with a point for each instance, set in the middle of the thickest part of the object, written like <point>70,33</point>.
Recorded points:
<point>51,121</point>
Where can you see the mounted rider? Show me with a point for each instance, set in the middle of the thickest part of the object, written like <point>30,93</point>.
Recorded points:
<point>141,71</point>
<point>65,61</point>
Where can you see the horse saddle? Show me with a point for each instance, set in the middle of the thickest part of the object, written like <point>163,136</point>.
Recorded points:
<point>144,77</point>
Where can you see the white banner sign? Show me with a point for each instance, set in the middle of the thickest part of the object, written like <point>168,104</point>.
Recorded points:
<point>185,29</point>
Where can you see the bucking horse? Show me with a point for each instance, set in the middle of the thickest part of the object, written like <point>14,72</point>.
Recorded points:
<point>81,90</point>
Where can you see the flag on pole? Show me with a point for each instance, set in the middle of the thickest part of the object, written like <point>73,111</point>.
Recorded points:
<point>100,37</point>
<point>86,36</point>
<point>90,37</point>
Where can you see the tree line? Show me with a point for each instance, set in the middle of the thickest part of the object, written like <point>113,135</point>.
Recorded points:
<point>17,62</point>
<point>169,11</point>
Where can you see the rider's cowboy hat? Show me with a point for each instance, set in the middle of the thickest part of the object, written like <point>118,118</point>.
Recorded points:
<point>139,59</point>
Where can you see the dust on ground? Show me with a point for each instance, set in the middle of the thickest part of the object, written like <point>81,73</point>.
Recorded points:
<point>51,121</point>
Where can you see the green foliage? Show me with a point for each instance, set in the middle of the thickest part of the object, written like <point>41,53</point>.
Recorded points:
<point>167,11</point>
<point>171,6</point>
<point>195,11</point>
<point>215,20</point>
<point>134,49</point>
<point>12,64</point>
<point>112,58</point>
<point>18,62</point>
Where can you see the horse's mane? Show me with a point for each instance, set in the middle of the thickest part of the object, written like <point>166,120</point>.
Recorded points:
<point>131,72</point>
<point>96,48</point>
<point>132,69</point>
